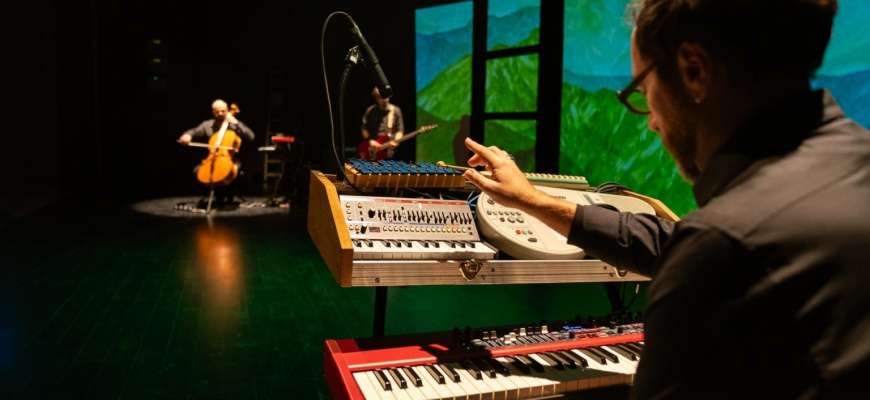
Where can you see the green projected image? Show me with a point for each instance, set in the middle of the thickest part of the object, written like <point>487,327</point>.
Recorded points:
<point>600,139</point>
<point>512,84</point>
<point>443,64</point>
<point>515,136</point>
<point>512,23</point>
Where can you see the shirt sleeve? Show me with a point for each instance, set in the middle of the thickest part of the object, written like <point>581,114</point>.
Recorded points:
<point>203,130</point>
<point>624,240</point>
<point>400,122</point>
<point>244,131</point>
<point>365,117</point>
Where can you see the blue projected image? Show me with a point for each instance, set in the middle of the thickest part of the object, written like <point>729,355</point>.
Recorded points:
<point>846,68</point>
<point>512,23</point>
<point>443,65</point>
<point>442,37</point>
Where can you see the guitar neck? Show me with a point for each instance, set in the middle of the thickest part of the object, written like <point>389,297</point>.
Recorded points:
<point>407,136</point>
<point>389,143</point>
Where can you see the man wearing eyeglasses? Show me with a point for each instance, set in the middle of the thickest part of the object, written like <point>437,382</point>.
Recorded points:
<point>764,291</point>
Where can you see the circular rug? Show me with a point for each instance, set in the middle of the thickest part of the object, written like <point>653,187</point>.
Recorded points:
<point>196,206</point>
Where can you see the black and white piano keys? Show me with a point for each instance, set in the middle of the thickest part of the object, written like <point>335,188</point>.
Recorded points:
<point>403,249</point>
<point>522,376</point>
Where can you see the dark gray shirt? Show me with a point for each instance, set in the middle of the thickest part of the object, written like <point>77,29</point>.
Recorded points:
<point>210,126</point>
<point>764,291</point>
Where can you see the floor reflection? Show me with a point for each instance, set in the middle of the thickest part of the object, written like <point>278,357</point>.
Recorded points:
<point>218,267</point>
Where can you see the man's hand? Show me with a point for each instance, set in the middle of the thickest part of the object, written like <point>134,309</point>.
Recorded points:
<point>230,118</point>
<point>509,187</point>
<point>185,139</point>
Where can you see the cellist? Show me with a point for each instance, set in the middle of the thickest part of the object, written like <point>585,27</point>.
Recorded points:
<point>204,131</point>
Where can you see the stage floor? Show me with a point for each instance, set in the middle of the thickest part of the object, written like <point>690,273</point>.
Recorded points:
<point>107,297</point>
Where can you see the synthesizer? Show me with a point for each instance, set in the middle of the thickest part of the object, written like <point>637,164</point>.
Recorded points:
<point>389,228</point>
<point>418,246</point>
<point>525,237</point>
<point>531,361</point>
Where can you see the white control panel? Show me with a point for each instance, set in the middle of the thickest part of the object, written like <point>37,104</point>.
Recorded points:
<point>526,238</point>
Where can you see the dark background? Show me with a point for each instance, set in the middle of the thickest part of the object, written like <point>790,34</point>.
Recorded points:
<point>81,116</point>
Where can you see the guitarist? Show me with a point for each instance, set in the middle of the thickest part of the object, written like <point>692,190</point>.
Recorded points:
<point>385,121</point>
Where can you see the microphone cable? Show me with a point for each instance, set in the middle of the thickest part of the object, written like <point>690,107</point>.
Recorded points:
<point>350,62</point>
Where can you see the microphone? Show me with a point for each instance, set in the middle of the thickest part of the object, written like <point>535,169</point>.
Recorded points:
<point>370,60</point>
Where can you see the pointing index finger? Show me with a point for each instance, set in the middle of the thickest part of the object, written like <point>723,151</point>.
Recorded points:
<point>482,154</point>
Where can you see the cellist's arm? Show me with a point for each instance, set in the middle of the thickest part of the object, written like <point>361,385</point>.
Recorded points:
<point>201,130</point>
<point>243,130</point>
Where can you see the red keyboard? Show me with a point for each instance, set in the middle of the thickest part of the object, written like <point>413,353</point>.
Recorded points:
<point>514,363</point>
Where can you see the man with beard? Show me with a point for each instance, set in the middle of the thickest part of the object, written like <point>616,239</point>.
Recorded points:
<point>761,292</point>
<point>224,195</point>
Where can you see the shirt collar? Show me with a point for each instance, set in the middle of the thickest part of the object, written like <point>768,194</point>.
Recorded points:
<point>775,132</point>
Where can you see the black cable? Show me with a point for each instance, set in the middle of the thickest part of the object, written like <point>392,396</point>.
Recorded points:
<point>610,187</point>
<point>421,194</point>
<point>351,60</point>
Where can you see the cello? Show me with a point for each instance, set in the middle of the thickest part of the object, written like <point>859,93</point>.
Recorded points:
<point>219,168</point>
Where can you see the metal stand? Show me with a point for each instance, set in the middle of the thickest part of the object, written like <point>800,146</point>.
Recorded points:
<point>380,319</point>
<point>210,199</point>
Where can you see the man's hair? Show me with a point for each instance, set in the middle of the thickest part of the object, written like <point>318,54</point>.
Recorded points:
<point>753,38</point>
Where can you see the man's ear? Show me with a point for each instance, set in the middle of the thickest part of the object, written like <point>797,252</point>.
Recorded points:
<point>696,70</point>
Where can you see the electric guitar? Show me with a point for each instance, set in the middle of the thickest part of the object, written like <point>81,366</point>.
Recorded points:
<point>369,153</point>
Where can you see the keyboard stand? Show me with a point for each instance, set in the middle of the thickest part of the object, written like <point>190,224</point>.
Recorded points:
<point>380,319</point>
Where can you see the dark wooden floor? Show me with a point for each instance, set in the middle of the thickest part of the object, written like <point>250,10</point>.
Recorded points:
<point>131,298</point>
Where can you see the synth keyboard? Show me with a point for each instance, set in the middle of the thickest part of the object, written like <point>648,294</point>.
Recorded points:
<point>521,362</point>
<point>390,228</point>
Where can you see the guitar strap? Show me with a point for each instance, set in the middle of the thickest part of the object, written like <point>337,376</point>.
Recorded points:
<point>391,117</point>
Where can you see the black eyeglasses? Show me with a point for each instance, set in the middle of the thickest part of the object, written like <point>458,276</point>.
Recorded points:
<point>633,98</point>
